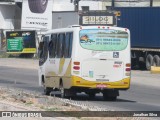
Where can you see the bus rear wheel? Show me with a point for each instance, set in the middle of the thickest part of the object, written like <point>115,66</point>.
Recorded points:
<point>110,95</point>
<point>109,98</point>
<point>91,95</point>
<point>66,93</point>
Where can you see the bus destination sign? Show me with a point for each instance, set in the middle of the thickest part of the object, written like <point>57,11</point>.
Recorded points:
<point>98,18</point>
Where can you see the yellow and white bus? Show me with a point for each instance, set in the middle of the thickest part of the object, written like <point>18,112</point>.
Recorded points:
<point>90,59</point>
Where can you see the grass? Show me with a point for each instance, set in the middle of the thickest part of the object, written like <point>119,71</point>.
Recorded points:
<point>3,54</point>
<point>51,109</point>
<point>29,103</point>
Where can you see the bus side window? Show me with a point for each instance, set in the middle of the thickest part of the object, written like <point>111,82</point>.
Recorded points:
<point>40,49</point>
<point>44,53</point>
<point>52,46</point>
<point>60,45</point>
<point>68,45</point>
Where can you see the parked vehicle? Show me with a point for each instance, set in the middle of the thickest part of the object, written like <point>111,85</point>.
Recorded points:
<point>144,25</point>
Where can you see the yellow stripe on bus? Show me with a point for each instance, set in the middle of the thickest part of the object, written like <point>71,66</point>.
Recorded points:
<point>62,60</point>
<point>80,82</point>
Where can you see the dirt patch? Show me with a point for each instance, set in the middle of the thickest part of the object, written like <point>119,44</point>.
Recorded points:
<point>33,101</point>
<point>18,100</point>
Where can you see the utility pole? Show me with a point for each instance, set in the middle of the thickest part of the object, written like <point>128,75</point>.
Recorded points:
<point>76,4</point>
<point>112,3</point>
<point>151,3</point>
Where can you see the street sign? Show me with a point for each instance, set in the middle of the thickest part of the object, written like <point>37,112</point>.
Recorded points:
<point>21,42</point>
<point>15,44</point>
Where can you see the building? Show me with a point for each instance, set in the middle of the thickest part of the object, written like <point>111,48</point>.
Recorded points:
<point>11,12</point>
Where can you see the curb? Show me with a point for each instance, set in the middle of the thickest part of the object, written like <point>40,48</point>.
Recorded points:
<point>155,69</point>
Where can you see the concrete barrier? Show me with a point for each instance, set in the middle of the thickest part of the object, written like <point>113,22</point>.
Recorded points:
<point>155,69</point>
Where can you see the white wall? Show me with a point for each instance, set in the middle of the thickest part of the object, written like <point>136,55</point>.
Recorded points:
<point>62,5</point>
<point>7,13</point>
<point>156,3</point>
<point>104,4</point>
<point>2,22</point>
<point>132,4</point>
<point>93,5</point>
<point>65,5</point>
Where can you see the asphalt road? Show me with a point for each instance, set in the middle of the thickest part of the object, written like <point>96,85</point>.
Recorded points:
<point>26,79</point>
<point>138,98</point>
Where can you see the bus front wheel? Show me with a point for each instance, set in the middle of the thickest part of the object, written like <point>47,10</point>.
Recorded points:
<point>47,90</point>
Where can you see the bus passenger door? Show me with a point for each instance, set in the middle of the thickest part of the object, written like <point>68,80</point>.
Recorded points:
<point>43,55</point>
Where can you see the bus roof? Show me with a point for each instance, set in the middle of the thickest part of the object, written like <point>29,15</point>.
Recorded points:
<point>74,27</point>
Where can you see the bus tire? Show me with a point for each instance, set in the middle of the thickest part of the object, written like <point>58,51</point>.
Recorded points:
<point>110,95</point>
<point>91,95</point>
<point>37,6</point>
<point>47,90</point>
<point>156,60</point>
<point>110,98</point>
<point>149,61</point>
<point>62,91</point>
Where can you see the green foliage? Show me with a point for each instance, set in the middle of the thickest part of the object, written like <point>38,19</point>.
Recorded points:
<point>51,109</point>
<point>3,54</point>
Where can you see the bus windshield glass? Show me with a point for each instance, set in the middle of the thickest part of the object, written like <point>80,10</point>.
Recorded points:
<point>103,39</point>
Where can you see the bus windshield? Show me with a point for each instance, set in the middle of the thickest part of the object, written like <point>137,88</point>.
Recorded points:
<point>103,39</point>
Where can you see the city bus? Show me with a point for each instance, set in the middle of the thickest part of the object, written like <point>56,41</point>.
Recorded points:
<point>89,59</point>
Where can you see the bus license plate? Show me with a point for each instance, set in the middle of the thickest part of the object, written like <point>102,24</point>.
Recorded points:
<point>101,86</point>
